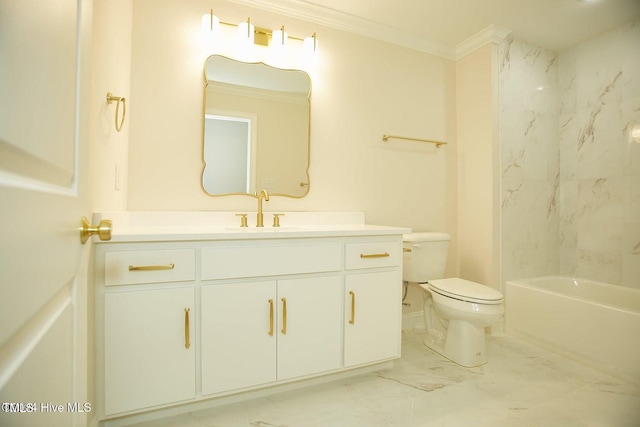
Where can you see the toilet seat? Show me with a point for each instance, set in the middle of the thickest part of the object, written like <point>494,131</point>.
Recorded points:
<point>466,290</point>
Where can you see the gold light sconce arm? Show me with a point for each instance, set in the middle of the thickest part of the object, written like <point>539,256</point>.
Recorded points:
<point>118,100</point>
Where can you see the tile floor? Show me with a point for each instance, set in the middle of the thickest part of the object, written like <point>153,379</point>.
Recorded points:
<point>522,385</point>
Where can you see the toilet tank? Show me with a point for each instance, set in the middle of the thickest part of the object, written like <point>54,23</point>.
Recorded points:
<point>425,256</point>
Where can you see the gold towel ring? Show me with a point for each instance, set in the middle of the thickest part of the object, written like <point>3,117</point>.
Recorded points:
<point>118,99</point>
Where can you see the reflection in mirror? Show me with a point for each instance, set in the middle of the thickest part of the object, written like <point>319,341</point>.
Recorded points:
<point>256,129</point>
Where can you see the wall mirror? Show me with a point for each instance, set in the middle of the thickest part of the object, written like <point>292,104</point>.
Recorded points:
<point>256,129</point>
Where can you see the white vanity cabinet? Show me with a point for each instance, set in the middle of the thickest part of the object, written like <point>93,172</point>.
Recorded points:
<point>147,347</point>
<point>148,311</point>
<point>186,318</point>
<point>373,302</point>
<point>260,332</point>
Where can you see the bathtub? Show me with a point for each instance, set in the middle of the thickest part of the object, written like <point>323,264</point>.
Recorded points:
<point>595,323</point>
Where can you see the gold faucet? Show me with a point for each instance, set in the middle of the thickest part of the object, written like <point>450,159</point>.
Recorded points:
<point>260,219</point>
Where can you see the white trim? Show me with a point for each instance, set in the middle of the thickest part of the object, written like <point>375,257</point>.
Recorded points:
<point>492,34</point>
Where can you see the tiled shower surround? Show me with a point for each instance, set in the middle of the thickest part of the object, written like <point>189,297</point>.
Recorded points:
<point>570,171</point>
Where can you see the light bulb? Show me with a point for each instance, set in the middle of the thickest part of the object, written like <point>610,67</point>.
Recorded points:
<point>279,38</point>
<point>210,23</point>
<point>246,32</point>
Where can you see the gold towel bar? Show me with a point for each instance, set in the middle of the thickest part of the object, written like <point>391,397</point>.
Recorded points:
<point>385,138</point>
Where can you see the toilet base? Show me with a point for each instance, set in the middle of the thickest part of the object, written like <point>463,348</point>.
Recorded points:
<point>464,344</point>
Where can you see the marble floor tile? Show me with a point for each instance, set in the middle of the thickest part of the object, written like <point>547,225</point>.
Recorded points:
<point>521,386</point>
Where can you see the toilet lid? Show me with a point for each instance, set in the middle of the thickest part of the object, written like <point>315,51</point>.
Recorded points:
<point>466,290</point>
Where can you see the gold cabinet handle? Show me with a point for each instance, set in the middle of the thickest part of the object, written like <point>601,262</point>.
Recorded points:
<point>284,316</point>
<point>353,307</point>
<point>270,317</point>
<point>187,344</point>
<point>103,230</point>
<point>151,267</point>
<point>384,255</point>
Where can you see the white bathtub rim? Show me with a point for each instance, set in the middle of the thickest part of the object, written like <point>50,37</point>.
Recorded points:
<point>629,305</point>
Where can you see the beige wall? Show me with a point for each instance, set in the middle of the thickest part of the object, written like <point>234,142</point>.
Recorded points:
<point>478,202</point>
<point>111,72</point>
<point>361,89</point>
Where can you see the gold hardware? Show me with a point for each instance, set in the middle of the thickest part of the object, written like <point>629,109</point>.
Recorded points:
<point>304,184</point>
<point>260,217</point>
<point>276,219</point>
<point>384,255</point>
<point>270,317</point>
<point>103,230</point>
<point>385,138</point>
<point>243,220</point>
<point>284,316</point>
<point>261,36</point>
<point>187,344</point>
<point>353,307</point>
<point>118,99</point>
<point>406,249</point>
<point>151,267</point>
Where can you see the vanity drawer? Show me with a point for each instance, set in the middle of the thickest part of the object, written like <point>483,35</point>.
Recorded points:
<point>369,255</point>
<point>135,267</point>
<point>252,261</point>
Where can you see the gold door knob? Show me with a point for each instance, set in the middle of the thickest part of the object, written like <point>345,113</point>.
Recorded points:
<point>103,230</point>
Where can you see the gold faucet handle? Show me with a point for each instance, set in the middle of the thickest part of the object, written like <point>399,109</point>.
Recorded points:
<point>243,220</point>
<point>276,219</point>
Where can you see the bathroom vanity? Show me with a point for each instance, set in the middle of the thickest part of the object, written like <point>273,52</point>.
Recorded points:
<point>187,314</point>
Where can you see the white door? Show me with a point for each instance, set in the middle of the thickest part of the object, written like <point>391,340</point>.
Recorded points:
<point>43,150</point>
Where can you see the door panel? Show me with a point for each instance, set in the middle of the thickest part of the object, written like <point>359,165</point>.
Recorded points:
<point>43,150</point>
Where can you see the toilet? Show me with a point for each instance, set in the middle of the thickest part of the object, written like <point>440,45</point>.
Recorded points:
<point>456,311</point>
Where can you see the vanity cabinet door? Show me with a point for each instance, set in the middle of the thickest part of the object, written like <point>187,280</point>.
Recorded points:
<point>238,335</point>
<point>149,355</point>
<point>373,315</point>
<point>310,340</point>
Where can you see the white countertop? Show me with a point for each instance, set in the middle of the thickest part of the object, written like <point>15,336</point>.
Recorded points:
<point>177,226</point>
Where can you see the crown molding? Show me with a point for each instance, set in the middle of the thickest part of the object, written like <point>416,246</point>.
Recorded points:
<point>492,34</point>
<point>335,19</point>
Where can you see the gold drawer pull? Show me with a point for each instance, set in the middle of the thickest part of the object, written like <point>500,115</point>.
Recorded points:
<point>270,317</point>
<point>384,255</point>
<point>151,267</point>
<point>187,344</point>
<point>284,316</point>
<point>353,307</point>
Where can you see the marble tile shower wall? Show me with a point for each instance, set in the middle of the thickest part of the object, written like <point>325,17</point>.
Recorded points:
<point>599,165</point>
<point>530,170</point>
<point>570,174</point>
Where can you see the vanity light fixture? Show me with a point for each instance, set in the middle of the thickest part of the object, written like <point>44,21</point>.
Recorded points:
<point>248,34</point>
